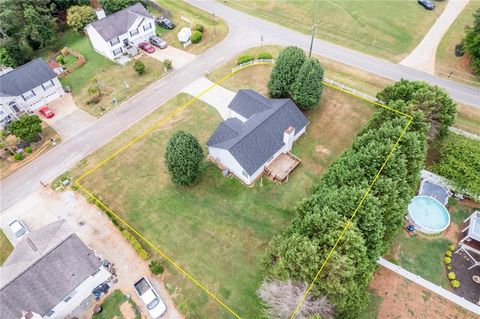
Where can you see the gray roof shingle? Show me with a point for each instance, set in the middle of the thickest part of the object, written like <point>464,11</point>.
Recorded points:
<point>254,142</point>
<point>25,78</point>
<point>62,263</point>
<point>118,23</point>
<point>249,102</point>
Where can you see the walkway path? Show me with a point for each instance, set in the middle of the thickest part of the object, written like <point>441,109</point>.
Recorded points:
<point>423,56</point>
<point>427,284</point>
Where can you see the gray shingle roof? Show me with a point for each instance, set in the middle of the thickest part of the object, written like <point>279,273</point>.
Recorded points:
<point>25,78</point>
<point>120,22</point>
<point>62,263</point>
<point>254,142</point>
<point>249,102</point>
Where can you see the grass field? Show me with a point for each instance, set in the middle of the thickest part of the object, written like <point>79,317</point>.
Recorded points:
<point>218,229</point>
<point>5,247</point>
<point>446,61</point>
<point>389,28</point>
<point>111,307</point>
<point>196,16</point>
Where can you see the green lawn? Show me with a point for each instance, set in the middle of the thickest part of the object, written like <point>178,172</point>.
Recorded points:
<point>374,307</point>
<point>218,229</point>
<point>388,28</point>
<point>5,247</point>
<point>111,307</point>
<point>196,16</point>
<point>446,61</point>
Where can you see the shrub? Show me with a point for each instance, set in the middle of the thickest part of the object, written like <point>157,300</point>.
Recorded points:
<point>196,36</point>
<point>199,28</point>
<point>18,156</point>
<point>156,267</point>
<point>455,283</point>
<point>447,260</point>
<point>136,244</point>
<point>265,56</point>
<point>449,267</point>
<point>60,59</point>
<point>244,59</point>
<point>448,253</point>
<point>451,275</point>
<point>28,150</point>
<point>139,67</point>
<point>452,247</point>
<point>168,64</point>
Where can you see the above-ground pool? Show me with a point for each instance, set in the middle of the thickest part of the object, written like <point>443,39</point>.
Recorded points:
<point>428,214</point>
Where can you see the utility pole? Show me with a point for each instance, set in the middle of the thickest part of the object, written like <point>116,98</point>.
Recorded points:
<point>214,29</point>
<point>311,41</point>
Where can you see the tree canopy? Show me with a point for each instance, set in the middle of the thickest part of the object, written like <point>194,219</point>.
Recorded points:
<point>184,158</point>
<point>116,5</point>
<point>26,128</point>
<point>472,41</point>
<point>285,71</point>
<point>79,16</point>
<point>307,88</point>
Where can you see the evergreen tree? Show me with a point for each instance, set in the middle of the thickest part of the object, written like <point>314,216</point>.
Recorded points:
<point>285,71</point>
<point>307,88</point>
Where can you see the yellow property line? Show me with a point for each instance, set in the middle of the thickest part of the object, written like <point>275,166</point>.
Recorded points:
<point>173,113</point>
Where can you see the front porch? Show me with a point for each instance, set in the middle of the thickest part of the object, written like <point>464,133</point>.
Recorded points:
<point>281,167</point>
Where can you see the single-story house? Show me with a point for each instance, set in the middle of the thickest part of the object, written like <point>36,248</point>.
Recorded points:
<point>26,89</point>
<point>259,130</point>
<point>49,273</point>
<point>121,32</point>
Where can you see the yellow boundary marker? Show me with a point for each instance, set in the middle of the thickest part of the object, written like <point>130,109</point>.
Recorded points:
<point>173,113</point>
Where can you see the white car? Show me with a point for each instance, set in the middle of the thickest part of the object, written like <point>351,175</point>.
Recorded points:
<point>18,228</point>
<point>155,306</point>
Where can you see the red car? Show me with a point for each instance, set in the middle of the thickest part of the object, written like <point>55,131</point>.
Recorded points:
<point>45,111</point>
<point>147,47</point>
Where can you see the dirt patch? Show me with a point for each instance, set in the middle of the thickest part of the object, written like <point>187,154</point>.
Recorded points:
<point>127,310</point>
<point>451,233</point>
<point>322,150</point>
<point>404,299</point>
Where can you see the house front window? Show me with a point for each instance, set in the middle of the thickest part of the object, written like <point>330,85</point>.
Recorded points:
<point>147,27</point>
<point>134,32</point>
<point>28,95</point>
<point>117,51</point>
<point>114,41</point>
<point>48,85</point>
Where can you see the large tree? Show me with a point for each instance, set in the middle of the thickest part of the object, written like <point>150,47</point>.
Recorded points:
<point>184,158</point>
<point>285,71</point>
<point>438,108</point>
<point>115,5</point>
<point>26,128</point>
<point>307,88</point>
<point>472,41</point>
<point>79,16</point>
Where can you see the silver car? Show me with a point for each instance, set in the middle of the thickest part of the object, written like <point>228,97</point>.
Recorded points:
<point>18,228</point>
<point>158,42</point>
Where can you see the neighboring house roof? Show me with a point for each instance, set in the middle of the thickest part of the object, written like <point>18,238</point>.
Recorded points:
<point>120,22</point>
<point>255,141</point>
<point>43,269</point>
<point>25,78</point>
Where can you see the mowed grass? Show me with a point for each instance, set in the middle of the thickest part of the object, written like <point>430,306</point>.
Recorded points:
<point>111,77</point>
<point>218,229</point>
<point>389,29</point>
<point>180,9</point>
<point>446,61</point>
<point>5,247</point>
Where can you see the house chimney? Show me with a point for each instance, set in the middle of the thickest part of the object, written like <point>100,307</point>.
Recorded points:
<point>100,13</point>
<point>288,136</point>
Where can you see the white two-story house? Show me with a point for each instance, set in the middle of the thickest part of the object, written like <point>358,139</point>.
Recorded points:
<point>26,89</point>
<point>121,32</point>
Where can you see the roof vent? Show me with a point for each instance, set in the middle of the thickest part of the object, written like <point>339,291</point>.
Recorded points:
<point>31,244</point>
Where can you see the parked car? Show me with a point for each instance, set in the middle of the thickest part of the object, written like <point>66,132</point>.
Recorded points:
<point>427,4</point>
<point>155,305</point>
<point>147,47</point>
<point>45,111</point>
<point>165,23</point>
<point>158,42</point>
<point>18,228</point>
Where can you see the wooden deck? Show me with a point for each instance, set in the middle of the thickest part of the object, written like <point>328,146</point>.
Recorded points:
<point>281,167</point>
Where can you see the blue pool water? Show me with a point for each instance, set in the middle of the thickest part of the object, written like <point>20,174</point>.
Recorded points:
<point>429,214</point>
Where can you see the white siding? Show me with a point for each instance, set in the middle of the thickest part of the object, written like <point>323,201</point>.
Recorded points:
<point>99,44</point>
<point>82,292</point>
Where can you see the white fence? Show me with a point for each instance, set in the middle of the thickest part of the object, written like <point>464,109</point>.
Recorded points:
<point>270,61</point>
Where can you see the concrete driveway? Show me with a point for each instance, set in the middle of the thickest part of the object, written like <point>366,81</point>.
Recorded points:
<point>96,231</point>
<point>69,119</point>
<point>178,57</point>
<point>218,97</point>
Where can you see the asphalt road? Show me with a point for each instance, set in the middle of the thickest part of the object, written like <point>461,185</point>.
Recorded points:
<point>245,32</point>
